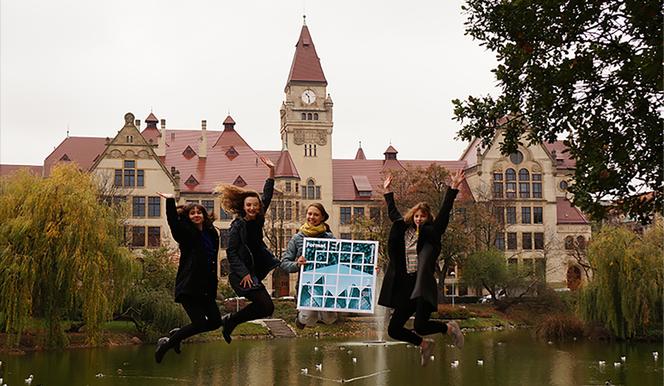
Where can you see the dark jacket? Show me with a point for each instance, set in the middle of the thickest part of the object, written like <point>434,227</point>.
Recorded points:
<point>428,249</point>
<point>197,275</point>
<point>240,258</point>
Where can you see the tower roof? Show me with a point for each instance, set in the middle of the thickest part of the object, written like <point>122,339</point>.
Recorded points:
<point>285,166</point>
<point>306,63</point>
<point>391,150</point>
<point>360,153</point>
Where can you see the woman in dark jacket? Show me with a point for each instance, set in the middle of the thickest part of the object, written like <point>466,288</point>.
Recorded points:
<point>249,258</point>
<point>409,285</point>
<point>196,280</point>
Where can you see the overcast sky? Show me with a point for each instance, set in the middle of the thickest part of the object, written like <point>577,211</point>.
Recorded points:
<point>392,70</point>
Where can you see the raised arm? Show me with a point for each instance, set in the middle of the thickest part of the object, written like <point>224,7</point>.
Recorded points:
<point>443,217</point>
<point>392,210</point>
<point>174,222</point>
<point>268,188</point>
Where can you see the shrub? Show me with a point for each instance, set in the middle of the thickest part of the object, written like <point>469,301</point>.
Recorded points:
<point>560,327</point>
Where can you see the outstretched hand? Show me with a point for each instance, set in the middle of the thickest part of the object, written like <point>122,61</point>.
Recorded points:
<point>387,184</point>
<point>457,179</point>
<point>166,195</point>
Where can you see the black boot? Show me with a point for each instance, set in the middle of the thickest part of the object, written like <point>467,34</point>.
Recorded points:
<point>162,348</point>
<point>227,326</point>
<point>177,347</point>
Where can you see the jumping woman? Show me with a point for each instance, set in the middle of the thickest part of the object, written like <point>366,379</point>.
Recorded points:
<point>409,286</point>
<point>249,258</point>
<point>196,280</point>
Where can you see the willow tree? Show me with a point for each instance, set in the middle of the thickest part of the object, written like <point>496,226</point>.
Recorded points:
<point>625,293</point>
<point>61,253</point>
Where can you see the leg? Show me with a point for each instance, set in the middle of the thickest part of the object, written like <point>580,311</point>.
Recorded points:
<point>424,326</point>
<point>396,329</point>
<point>261,306</point>
<point>204,315</point>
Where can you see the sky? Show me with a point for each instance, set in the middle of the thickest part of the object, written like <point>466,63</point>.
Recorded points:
<point>392,70</point>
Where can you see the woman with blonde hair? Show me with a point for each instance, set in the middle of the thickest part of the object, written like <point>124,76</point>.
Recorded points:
<point>315,226</point>
<point>409,286</point>
<point>249,258</point>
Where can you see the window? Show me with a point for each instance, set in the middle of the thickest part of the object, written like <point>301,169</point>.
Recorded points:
<point>310,150</point>
<point>511,241</point>
<point>346,236</point>
<point>297,209</point>
<point>288,186</point>
<point>344,215</point>
<point>137,236</point>
<point>581,242</point>
<point>129,176</point>
<point>499,214</point>
<point>563,185</point>
<point>209,206</point>
<point>497,185</point>
<point>527,241</point>
<point>309,116</point>
<point>289,210</point>
<point>537,190</point>
<point>318,192</point>
<point>511,215</point>
<point>154,206</point>
<point>510,177</point>
<point>516,157</point>
<point>192,201</point>
<point>138,207</point>
<point>304,116</point>
<point>154,237</point>
<point>130,139</point>
<point>525,215</point>
<point>311,191</point>
<point>500,241</point>
<point>569,243</point>
<point>223,238</point>
<point>539,240</point>
<point>315,116</point>
<point>524,189</point>
<point>374,213</point>
<point>358,212</point>
<point>538,215</point>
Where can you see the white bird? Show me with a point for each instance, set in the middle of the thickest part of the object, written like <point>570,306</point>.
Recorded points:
<point>550,342</point>
<point>29,379</point>
<point>100,375</point>
<point>319,367</point>
<point>304,371</point>
<point>317,335</point>
<point>316,348</point>
<point>342,348</point>
<point>454,364</point>
<point>354,360</point>
<point>350,352</point>
<point>602,363</point>
<point>616,364</point>
<point>480,362</point>
<point>623,358</point>
<point>1,383</point>
<point>432,357</point>
<point>655,354</point>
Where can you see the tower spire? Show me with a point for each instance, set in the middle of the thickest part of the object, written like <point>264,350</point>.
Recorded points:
<point>306,63</point>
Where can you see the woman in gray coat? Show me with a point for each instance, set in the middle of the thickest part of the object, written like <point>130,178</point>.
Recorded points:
<point>293,259</point>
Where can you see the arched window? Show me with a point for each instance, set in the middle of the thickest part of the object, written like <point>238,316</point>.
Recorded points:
<point>581,242</point>
<point>569,242</point>
<point>510,174</point>
<point>304,116</point>
<point>309,116</point>
<point>315,116</point>
<point>510,185</point>
<point>524,183</point>
<point>524,175</point>
<point>311,189</point>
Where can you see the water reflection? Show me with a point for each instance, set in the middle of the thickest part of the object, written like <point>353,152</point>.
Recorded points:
<point>509,358</point>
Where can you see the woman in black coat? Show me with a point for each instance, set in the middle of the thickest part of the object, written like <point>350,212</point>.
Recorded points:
<point>196,280</point>
<point>249,258</point>
<point>409,286</point>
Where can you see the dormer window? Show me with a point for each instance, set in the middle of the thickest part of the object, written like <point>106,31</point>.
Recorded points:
<point>239,181</point>
<point>191,181</point>
<point>65,157</point>
<point>231,153</point>
<point>188,153</point>
<point>362,186</point>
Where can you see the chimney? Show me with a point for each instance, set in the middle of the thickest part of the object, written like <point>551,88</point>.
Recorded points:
<point>161,143</point>
<point>137,123</point>
<point>202,144</point>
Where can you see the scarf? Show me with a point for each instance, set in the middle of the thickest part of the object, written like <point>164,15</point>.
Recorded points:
<point>312,231</point>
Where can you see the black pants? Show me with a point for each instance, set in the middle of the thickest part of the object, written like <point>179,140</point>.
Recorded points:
<point>261,306</point>
<point>204,315</point>
<point>405,308</point>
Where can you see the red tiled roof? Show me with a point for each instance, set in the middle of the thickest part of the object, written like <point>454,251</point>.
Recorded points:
<point>229,122</point>
<point>217,167</point>
<point>343,171</point>
<point>81,150</point>
<point>285,167</point>
<point>6,170</point>
<point>306,63</point>
<point>390,150</point>
<point>151,119</point>
<point>564,159</point>
<point>568,214</point>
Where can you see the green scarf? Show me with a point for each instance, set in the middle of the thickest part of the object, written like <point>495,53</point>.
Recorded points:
<point>312,231</point>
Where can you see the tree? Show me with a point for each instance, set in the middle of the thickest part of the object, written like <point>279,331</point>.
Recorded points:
<point>587,70</point>
<point>61,253</point>
<point>625,293</point>
<point>486,269</point>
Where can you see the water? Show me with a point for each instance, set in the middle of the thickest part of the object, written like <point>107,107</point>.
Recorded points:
<point>510,358</point>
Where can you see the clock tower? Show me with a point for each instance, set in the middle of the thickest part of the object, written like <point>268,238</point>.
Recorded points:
<point>306,124</point>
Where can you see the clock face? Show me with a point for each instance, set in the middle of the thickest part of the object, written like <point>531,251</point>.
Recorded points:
<point>308,97</point>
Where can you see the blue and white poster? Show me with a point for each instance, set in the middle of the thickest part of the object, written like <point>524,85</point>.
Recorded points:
<point>340,275</point>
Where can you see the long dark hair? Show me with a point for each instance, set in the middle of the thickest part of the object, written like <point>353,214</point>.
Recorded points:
<point>232,199</point>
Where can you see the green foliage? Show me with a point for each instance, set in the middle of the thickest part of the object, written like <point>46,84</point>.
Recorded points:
<point>60,253</point>
<point>625,293</point>
<point>486,269</point>
<point>589,70</point>
<point>149,302</point>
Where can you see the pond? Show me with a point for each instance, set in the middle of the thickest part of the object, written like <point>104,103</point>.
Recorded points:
<point>512,357</point>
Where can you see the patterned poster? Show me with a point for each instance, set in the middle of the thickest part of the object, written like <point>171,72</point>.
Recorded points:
<point>340,275</point>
